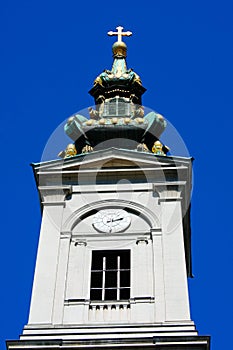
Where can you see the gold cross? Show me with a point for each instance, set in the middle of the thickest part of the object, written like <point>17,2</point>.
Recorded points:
<point>119,33</point>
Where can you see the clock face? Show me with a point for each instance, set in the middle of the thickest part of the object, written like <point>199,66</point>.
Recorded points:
<point>111,220</point>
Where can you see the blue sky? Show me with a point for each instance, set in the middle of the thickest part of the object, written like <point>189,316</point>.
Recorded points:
<point>51,53</point>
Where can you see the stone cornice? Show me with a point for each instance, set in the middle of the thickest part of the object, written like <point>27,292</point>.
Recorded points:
<point>111,152</point>
<point>54,194</point>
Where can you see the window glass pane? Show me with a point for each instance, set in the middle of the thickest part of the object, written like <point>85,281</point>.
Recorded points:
<point>124,293</point>
<point>110,294</point>
<point>122,108</point>
<point>125,260</point>
<point>96,294</point>
<point>96,279</point>
<point>124,278</point>
<point>97,261</point>
<point>110,279</point>
<point>111,262</point>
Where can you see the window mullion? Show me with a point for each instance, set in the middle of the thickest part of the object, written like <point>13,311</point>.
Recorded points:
<point>117,106</point>
<point>118,278</point>
<point>103,280</point>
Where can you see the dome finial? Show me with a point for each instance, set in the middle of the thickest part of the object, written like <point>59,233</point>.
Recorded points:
<point>119,48</point>
<point>119,33</point>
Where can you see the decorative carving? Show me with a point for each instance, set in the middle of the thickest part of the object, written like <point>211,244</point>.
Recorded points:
<point>87,149</point>
<point>80,243</point>
<point>158,148</point>
<point>142,240</point>
<point>98,80</point>
<point>70,150</point>
<point>142,147</point>
<point>94,114</point>
<point>138,110</point>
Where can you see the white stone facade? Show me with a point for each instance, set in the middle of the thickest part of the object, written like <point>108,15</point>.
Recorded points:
<point>155,193</point>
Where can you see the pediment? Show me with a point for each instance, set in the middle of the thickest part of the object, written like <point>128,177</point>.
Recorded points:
<point>110,159</point>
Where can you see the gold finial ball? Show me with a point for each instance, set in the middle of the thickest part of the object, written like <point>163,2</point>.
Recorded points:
<point>70,120</point>
<point>90,122</point>
<point>139,120</point>
<point>160,117</point>
<point>114,120</point>
<point>127,120</point>
<point>119,48</point>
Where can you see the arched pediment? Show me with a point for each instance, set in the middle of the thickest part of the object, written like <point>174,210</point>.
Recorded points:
<point>90,209</point>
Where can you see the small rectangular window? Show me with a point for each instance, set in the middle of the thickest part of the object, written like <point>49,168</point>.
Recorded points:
<point>110,275</point>
<point>117,107</point>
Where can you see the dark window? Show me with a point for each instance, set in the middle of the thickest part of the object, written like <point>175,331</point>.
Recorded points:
<point>110,275</point>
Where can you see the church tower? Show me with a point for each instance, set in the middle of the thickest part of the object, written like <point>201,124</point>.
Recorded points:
<point>114,252</point>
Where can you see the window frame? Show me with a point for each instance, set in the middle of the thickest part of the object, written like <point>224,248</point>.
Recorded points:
<point>116,288</point>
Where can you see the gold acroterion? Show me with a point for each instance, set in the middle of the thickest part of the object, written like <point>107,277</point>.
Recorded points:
<point>87,149</point>
<point>158,148</point>
<point>70,151</point>
<point>119,33</point>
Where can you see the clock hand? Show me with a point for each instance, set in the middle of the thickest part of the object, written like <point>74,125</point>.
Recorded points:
<point>111,220</point>
<point>118,219</point>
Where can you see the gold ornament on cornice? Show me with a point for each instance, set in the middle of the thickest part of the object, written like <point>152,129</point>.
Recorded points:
<point>142,147</point>
<point>87,149</point>
<point>158,148</point>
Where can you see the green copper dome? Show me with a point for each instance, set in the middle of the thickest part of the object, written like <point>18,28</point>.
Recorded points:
<point>118,116</point>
